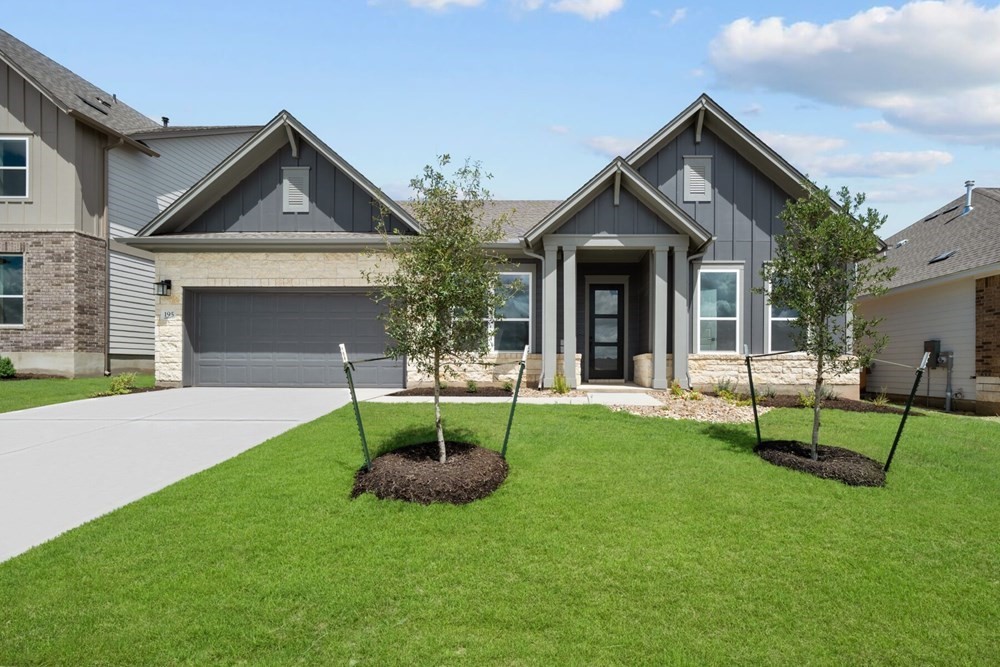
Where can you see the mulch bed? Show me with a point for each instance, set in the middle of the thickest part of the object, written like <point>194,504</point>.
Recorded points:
<point>414,474</point>
<point>847,404</point>
<point>837,463</point>
<point>32,376</point>
<point>460,390</point>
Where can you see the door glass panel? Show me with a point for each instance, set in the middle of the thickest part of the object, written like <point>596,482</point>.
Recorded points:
<point>605,358</point>
<point>605,301</point>
<point>606,330</point>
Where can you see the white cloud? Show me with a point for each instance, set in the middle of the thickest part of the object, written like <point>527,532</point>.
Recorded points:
<point>679,14</point>
<point>611,146</point>
<point>816,156</point>
<point>441,5</point>
<point>928,66</point>
<point>558,129</point>
<point>527,5</point>
<point>880,125</point>
<point>588,9</point>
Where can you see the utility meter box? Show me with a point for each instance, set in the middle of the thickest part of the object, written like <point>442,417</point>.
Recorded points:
<point>934,347</point>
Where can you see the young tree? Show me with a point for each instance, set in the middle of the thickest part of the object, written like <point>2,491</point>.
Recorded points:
<point>442,285</point>
<point>827,258</point>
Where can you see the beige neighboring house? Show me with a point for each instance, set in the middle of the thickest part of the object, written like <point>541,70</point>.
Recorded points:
<point>946,289</point>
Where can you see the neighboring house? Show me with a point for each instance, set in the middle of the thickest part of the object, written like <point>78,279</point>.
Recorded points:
<point>946,289</point>
<point>79,167</point>
<point>643,275</point>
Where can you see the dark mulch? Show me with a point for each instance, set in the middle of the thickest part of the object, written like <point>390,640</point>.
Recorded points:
<point>836,463</point>
<point>32,376</point>
<point>847,404</point>
<point>414,474</point>
<point>460,390</point>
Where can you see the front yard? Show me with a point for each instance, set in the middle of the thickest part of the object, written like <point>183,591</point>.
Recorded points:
<point>616,539</point>
<point>33,393</point>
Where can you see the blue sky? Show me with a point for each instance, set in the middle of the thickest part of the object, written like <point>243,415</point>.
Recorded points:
<point>900,100</point>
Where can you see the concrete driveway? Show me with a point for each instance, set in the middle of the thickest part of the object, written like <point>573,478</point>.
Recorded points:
<point>63,465</point>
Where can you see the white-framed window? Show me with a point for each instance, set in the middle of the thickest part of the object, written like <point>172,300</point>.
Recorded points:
<point>13,167</point>
<point>781,325</point>
<point>11,290</point>
<point>697,178</point>
<point>295,189</point>
<point>513,331</point>
<point>719,304</point>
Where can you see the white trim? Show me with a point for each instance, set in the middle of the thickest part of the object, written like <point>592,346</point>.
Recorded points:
<point>585,355</point>
<point>718,267</point>
<point>26,168</point>
<point>530,272</point>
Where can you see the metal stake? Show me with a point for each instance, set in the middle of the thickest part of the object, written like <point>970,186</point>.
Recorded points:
<point>753,394</point>
<point>906,412</point>
<point>357,410</point>
<point>513,404</point>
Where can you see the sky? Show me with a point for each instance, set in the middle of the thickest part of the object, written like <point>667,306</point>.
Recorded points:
<point>899,100</point>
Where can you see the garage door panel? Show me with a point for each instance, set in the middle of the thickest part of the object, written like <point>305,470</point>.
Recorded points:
<point>289,338</point>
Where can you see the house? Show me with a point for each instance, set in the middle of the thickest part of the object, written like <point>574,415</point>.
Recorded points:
<point>643,275</point>
<point>79,167</point>
<point>946,289</point>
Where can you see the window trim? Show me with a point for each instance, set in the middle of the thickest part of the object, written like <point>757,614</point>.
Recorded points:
<point>689,164</point>
<point>15,296</point>
<point>527,271</point>
<point>769,318</point>
<point>719,267</point>
<point>26,168</point>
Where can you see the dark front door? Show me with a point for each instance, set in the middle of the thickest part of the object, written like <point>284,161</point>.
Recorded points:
<point>607,332</point>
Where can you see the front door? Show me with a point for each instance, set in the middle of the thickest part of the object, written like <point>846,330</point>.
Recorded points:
<point>607,332</point>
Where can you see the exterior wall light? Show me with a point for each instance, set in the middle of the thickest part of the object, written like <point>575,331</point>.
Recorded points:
<point>162,288</point>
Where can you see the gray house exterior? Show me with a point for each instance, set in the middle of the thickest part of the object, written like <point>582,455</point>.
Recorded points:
<point>643,275</point>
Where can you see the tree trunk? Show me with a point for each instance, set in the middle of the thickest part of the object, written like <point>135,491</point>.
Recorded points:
<point>817,399</point>
<point>442,452</point>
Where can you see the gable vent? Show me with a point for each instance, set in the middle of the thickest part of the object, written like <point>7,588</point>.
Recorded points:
<point>697,178</point>
<point>295,190</point>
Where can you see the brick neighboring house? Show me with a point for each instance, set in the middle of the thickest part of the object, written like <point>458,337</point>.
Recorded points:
<point>947,288</point>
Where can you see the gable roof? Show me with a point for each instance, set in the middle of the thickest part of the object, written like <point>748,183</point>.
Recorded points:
<point>522,214</point>
<point>975,238</point>
<point>282,129</point>
<point>706,112</point>
<point>72,93</point>
<point>637,185</point>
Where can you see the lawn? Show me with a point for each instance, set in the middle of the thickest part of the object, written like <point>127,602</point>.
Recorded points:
<point>24,394</point>
<point>615,540</point>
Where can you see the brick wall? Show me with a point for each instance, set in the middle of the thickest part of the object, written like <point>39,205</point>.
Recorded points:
<point>988,345</point>
<point>64,286</point>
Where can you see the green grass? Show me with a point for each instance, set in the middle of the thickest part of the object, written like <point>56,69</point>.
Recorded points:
<point>23,394</point>
<point>615,540</point>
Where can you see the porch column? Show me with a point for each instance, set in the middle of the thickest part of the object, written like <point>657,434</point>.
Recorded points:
<point>681,324</point>
<point>569,315</point>
<point>660,287</point>
<point>549,315</point>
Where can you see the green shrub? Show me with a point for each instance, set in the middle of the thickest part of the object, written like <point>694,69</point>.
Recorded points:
<point>882,398</point>
<point>725,387</point>
<point>508,386</point>
<point>471,387</point>
<point>693,395</point>
<point>767,392</point>
<point>676,389</point>
<point>807,399</point>
<point>123,383</point>
<point>7,369</point>
<point>559,384</point>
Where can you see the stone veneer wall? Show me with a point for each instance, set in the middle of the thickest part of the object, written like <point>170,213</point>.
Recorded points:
<point>65,282</point>
<point>789,373</point>
<point>494,369</point>
<point>240,269</point>
<point>988,345</point>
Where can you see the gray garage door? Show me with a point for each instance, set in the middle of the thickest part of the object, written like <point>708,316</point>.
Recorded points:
<point>287,339</point>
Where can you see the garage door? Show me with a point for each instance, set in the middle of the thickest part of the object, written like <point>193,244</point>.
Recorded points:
<point>287,339</point>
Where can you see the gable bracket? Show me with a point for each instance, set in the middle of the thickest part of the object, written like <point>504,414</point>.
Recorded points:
<point>618,185</point>
<point>292,141</point>
<point>699,124</point>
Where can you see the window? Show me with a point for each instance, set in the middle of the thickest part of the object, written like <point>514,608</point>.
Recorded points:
<point>13,167</point>
<point>295,189</point>
<point>513,332</point>
<point>718,303</point>
<point>781,325</point>
<point>11,290</point>
<point>697,178</point>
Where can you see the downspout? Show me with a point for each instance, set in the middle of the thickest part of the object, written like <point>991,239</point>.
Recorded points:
<point>541,258</point>
<point>107,257</point>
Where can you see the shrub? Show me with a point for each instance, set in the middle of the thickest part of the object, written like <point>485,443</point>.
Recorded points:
<point>767,392</point>
<point>693,395</point>
<point>725,387</point>
<point>559,384</point>
<point>882,398</point>
<point>124,383</point>
<point>7,369</point>
<point>807,400</point>
<point>676,389</point>
<point>471,387</point>
<point>508,386</point>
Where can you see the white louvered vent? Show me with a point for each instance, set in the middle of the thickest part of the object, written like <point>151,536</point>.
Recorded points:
<point>295,190</point>
<point>697,178</point>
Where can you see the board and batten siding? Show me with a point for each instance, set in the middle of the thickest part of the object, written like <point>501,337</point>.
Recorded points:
<point>944,312</point>
<point>336,202</point>
<point>742,214</point>
<point>140,186</point>
<point>601,216</point>
<point>132,304</point>
<point>65,163</point>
